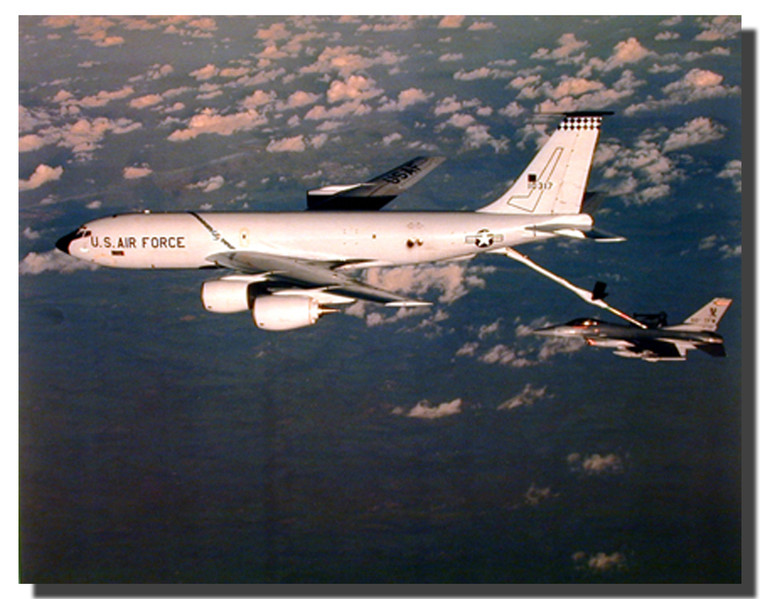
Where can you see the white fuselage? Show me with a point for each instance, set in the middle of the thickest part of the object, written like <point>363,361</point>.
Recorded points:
<point>187,240</point>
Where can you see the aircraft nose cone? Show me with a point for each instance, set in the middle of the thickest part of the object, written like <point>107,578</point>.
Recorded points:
<point>63,243</point>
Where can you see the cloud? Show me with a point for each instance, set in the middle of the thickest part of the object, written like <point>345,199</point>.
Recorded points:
<point>527,397</point>
<point>452,280</point>
<point>205,73</point>
<point>428,412</point>
<point>468,349</point>
<point>481,26</point>
<point>276,31</point>
<point>697,84</point>
<point>600,562</point>
<point>210,122</point>
<point>559,345</point>
<point>718,29</point>
<point>697,131</point>
<point>42,174</point>
<point>341,111</point>
<point>567,50</point>
<point>595,464</point>
<point>52,261</point>
<point>146,101</point>
<point>298,99</point>
<point>93,29</point>
<point>392,137</point>
<point>475,135</point>
<point>406,98</point>
<point>137,172</point>
<point>626,52</point>
<point>208,185</point>
<point>346,60</point>
<point>356,87</point>
<point>287,144</point>
<point>641,173</point>
<point>451,22</point>
<point>83,136</point>
<point>451,104</point>
<point>733,171</point>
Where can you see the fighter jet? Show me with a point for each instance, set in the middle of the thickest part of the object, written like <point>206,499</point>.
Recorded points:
<point>654,343</point>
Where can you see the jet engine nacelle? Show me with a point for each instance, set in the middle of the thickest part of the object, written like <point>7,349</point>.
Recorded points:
<point>226,296</point>
<point>285,312</point>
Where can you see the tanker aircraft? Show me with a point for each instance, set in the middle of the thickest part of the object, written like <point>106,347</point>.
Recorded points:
<point>652,343</point>
<point>289,268</point>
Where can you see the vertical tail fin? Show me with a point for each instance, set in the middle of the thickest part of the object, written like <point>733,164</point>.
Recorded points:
<point>555,180</point>
<point>708,316</point>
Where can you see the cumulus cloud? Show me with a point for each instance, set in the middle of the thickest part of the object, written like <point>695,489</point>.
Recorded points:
<point>52,261</point>
<point>211,122</point>
<point>276,31</point>
<point>427,411</point>
<point>718,29</point>
<point>640,173</point>
<point>83,136</point>
<point>341,111</point>
<point>146,101</point>
<point>475,135</point>
<point>41,175</point>
<point>298,99</point>
<point>568,49</point>
<point>595,464</point>
<point>526,397</point>
<point>452,281</point>
<point>137,172</point>
<point>733,172</point>
<point>600,562</point>
<point>347,60</point>
<point>205,73</point>
<point>208,185</point>
<point>697,131</point>
<point>451,22</point>
<point>626,52</point>
<point>697,84</point>
<point>406,98</point>
<point>356,87</point>
<point>287,144</point>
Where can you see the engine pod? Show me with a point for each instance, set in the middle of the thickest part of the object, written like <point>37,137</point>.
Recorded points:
<point>282,313</point>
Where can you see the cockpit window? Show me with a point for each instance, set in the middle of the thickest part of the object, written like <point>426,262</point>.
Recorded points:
<point>583,322</point>
<point>82,233</point>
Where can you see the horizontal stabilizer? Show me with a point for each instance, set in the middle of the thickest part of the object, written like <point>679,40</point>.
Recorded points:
<point>375,193</point>
<point>593,234</point>
<point>716,350</point>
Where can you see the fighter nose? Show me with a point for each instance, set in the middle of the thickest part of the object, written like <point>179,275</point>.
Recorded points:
<point>63,243</point>
<point>545,332</point>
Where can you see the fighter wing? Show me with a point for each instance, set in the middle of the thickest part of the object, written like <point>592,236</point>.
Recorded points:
<point>310,275</point>
<point>656,348</point>
<point>375,193</point>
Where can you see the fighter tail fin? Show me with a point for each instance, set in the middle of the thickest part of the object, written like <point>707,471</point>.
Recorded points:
<point>707,317</point>
<point>555,180</point>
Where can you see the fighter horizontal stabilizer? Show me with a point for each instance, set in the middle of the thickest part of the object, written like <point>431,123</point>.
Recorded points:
<point>375,193</point>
